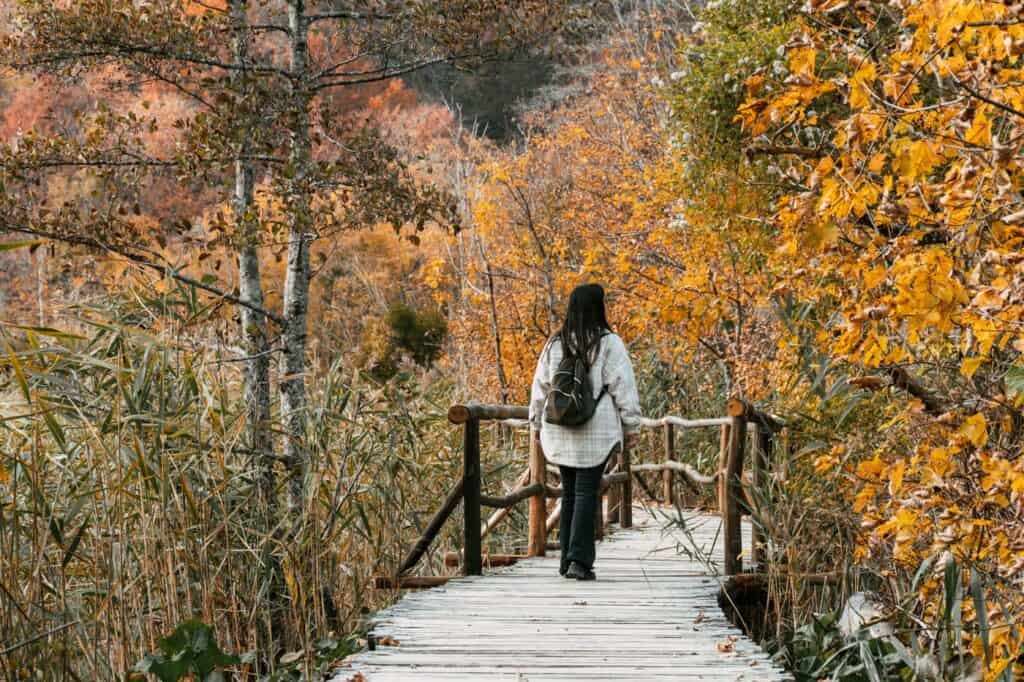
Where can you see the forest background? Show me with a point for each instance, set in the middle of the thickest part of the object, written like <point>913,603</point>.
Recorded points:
<point>254,250</point>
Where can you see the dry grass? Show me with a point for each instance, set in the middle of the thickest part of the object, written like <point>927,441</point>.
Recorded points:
<point>129,505</point>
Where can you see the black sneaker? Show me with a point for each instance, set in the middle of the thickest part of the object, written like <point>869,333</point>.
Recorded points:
<point>578,572</point>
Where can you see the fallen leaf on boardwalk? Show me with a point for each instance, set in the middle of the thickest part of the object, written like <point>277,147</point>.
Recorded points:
<point>581,602</point>
<point>387,641</point>
<point>699,618</point>
<point>358,677</point>
<point>726,646</point>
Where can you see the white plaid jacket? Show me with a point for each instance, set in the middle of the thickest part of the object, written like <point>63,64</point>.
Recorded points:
<point>617,413</point>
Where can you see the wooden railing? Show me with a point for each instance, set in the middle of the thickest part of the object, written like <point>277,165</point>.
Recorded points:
<point>743,422</point>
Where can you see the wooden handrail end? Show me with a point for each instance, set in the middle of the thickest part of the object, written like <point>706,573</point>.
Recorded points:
<point>458,414</point>
<point>736,408</point>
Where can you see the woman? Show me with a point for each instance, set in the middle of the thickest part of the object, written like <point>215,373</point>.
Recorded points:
<point>581,451</point>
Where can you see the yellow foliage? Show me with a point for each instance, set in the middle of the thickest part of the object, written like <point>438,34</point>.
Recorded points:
<point>905,234</point>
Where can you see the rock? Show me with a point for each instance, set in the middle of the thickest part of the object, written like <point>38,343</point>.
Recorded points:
<point>862,611</point>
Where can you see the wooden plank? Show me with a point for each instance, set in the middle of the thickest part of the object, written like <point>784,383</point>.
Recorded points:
<point>652,614</point>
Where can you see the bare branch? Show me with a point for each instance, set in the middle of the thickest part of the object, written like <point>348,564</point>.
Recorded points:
<point>345,14</point>
<point>769,149</point>
<point>1004,22</point>
<point>272,27</point>
<point>124,51</point>
<point>988,100</point>
<point>356,78</point>
<point>140,260</point>
<point>127,163</point>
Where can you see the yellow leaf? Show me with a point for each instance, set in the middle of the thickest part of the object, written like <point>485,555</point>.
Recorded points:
<point>975,429</point>
<point>824,463</point>
<point>970,365</point>
<point>801,60</point>
<point>860,85</point>
<point>863,498</point>
<point>871,468</point>
<point>896,477</point>
<point>939,461</point>
<point>874,277</point>
<point>877,162</point>
<point>980,132</point>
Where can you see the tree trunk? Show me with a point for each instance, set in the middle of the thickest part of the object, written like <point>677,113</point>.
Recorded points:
<point>296,286</point>
<point>256,379</point>
<point>41,285</point>
<point>253,324</point>
<point>495,322</point>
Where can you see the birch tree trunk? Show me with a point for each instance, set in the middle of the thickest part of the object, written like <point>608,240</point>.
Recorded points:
<point>250,289</point>
<point>296,287</point>
<point>256,377</point>
<point>495,322</point>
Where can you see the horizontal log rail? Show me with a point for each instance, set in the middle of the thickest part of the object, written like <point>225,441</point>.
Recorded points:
<point>520,494</point>
<point>454,559</point>
<point>460,414</point>
<point>693,477</point>
<point>743,421</point>
<point>614,478</point>
<point>682,423</point>
<point>499,515</point>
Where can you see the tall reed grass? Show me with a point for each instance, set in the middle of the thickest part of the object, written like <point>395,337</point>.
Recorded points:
<point>128,503</point>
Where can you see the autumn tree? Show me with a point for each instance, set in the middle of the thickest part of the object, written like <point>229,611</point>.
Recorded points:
<point>263,76</point>
<point>898,129</point>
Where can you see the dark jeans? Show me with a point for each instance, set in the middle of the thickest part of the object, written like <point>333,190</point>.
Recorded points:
<point>579,505</point>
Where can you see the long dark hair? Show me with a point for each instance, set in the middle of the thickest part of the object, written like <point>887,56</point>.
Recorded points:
<point>585,322</point>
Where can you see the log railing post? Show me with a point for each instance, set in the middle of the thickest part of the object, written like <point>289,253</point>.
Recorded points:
<point>668,476</point>
<point>723,462</point>
<point>538,536</point>
<point>732,532</point>
<point>472,563</point>
<point>761,454</point>
<point>626,499</point>
<point>614,497</point>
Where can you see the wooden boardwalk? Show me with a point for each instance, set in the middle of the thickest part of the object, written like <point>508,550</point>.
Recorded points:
<point>652,614</point>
